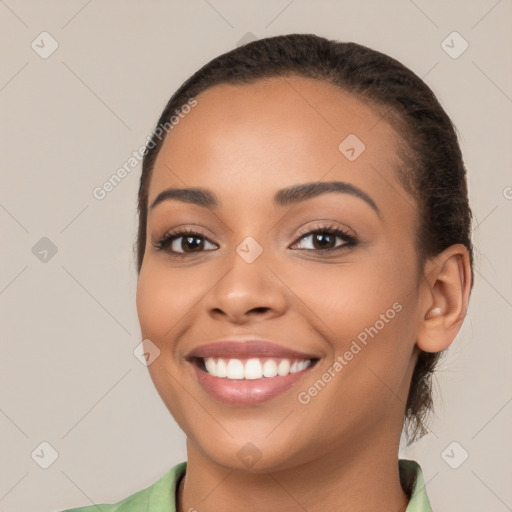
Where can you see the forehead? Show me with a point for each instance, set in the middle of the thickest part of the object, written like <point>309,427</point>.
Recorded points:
<point>249,140</point>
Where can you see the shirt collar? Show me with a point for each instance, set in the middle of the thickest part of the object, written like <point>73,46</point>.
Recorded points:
<point>163,493</point>
<point>419,501</point>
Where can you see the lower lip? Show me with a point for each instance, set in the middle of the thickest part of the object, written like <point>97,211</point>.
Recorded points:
<point>247,391</point>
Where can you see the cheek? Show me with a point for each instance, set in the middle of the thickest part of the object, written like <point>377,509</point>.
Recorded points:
<point>164,298</point>
<point>366,311</point>
<point>342,300</point>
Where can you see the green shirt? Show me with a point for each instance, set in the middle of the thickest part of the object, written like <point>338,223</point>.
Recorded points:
<point>161,496</point>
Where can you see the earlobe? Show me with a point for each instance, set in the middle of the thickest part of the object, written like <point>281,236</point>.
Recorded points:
<point>445,298</point>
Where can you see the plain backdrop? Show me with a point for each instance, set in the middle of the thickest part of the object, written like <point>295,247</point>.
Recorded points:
<point>71,118</point>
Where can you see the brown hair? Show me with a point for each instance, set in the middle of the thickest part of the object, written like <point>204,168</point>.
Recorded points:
<point>433,170</point>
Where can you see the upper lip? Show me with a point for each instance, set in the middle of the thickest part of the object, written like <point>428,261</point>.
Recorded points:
<point>248,348</point>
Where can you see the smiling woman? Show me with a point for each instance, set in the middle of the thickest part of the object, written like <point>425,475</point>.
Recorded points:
<point>303,232</point>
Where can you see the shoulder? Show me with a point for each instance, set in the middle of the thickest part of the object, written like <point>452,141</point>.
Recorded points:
<point>159,496</point>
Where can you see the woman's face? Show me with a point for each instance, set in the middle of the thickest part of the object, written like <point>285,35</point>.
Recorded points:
<point>256,270</point>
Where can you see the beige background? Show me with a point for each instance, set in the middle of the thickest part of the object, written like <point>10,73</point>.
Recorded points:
<point>69,325</point>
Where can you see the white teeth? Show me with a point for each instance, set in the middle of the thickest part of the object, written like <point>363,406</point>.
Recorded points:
<point>235,369</point>
<point>304,364</point>
<point>283,367</point>
<point>269,368</point>
<point>222,369</point>
<point>253,368</point>
<point>209,362</point>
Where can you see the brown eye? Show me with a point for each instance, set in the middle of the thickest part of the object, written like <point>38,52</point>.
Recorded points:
<point>184,242</point>
<point>323,239</point>
<point>188,243</point>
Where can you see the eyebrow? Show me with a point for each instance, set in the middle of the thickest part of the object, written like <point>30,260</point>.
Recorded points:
<point>284,197</point>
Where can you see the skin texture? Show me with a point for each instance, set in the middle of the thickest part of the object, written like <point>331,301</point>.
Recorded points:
<point>244,143</point>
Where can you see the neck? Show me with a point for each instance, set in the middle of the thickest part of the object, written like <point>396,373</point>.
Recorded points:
<point>362,476</point>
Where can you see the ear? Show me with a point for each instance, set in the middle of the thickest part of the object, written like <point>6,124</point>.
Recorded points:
<point>444,299</point>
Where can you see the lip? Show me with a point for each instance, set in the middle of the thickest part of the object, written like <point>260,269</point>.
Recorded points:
<point>247,392</point>
<point>247,349</point>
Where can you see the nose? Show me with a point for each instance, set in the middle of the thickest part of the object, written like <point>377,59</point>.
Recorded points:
<point>247,292</point>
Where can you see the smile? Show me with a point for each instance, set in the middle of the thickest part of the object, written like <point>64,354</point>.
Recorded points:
<point>253,368</point>
<point>251,380</point>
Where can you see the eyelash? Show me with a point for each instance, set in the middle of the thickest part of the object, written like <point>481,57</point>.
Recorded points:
<point>350,241</point>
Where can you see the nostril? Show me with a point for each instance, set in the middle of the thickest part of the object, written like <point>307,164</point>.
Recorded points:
<point>260,309</point>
